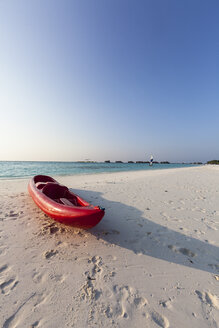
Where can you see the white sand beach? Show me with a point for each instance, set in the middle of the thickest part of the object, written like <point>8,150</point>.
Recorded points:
<point>153,261</point>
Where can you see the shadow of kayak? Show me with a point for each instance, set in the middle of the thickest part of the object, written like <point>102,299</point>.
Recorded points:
<point>126,227</point>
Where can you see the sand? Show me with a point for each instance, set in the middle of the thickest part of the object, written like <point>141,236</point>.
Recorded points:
<point>153,261</point>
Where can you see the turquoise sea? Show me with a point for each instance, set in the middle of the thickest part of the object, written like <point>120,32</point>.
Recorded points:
<point>11,170</point>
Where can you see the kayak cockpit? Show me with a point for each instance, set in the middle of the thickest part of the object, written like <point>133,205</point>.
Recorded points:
<point>53,190</point>
<point>60,194</point>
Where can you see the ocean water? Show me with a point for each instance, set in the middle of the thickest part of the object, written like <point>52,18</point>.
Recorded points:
<point>12,170</point>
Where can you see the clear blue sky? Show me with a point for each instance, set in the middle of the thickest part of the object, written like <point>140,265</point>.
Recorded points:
<point>109,79</point>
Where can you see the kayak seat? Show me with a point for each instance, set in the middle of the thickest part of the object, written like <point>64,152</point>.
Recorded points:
<point>66,201</point>
<point>54,190</point>
<point>43,178</point>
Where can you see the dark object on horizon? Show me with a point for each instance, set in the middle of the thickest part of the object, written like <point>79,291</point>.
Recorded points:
<point>86,162</point>
<point>140,162</point>
<point>130,162</point>
<point>118,162</point>
<point>151,160</point>
<point>197,163</point>
<point>215,161</point>
<point>165,162</point>
<point>155,162</point>
<point>108,161</point>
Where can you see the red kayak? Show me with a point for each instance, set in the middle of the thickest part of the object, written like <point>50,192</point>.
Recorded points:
<point>62,205</point>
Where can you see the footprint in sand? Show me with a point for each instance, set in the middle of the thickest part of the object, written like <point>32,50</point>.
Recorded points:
<point>40,298</point>
<point>4,268</point>
<point>184,251</point>
<point>51,228</point>
<point>166,304</point>
<point>38,277</point>
<point>12,215</point>
<point>208,298</point>
<point>97,266</point>
<point>35,324</point>
<point>111,232</point>
<point>50,253</point>
<point>7,285</point>
<point>2,250</point>
<point>58,277</point>
<point>160,320</point>
<point>127,301</point>
<point>214,266</point>
<point>89,291</point>
<point>113,302</point>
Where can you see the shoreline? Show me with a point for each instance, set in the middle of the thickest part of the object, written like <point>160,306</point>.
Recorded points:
<point>102,173</point>
<point>77,170</point>
<point>151,262</point>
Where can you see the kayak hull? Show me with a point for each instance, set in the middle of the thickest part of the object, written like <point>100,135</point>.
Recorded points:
<point>62,205</point>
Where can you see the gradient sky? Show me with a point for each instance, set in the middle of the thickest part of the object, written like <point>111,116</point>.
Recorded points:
<point>109,79</point>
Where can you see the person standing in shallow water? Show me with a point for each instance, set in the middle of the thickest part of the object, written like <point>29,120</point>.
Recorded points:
<point>151,160</point>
